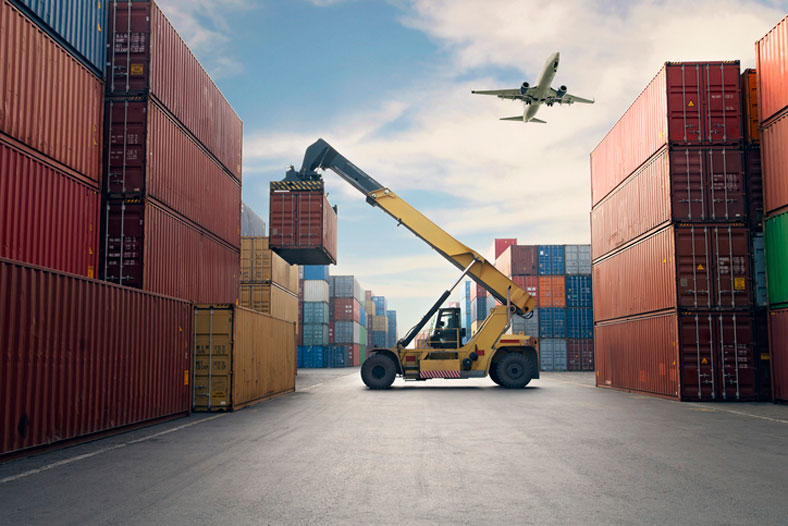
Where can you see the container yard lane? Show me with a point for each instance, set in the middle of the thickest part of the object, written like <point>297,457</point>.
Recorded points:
<point>333,452</point>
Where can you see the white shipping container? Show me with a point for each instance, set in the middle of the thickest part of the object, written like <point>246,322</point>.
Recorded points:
<point>316,290</point>
<point>578,259</point>
<point>527,326</point>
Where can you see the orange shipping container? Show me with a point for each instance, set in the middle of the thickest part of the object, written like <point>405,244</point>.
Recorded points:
<point>750,119</point>
<point>771,60</point>
<point>774,157</point>
<point>552,291</point>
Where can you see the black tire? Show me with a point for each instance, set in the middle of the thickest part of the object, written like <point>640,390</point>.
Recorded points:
<point>514,371</point>
<point>378,371</point>
<point>494,374</point>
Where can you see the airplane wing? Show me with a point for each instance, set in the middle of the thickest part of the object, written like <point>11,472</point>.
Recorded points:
<point>571,99</point>
<point>513,94</point>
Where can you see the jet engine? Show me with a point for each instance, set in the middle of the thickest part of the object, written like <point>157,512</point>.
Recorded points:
<point>524,88</point>
<point>560,92</point>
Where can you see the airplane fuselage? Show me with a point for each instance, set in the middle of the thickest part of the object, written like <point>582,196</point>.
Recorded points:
<point>542,88</point>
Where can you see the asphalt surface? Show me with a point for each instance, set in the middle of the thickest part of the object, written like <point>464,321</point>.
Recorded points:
<point>437,452</point>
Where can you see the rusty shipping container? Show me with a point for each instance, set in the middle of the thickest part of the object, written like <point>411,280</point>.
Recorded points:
<point>771,59</point>
<point>706,356</point>
<point>754,177</point>
<point>50,101</point>
<point>302,226</point>
<point>151,155</point>
<point>519,260</point>
<point>774,156</point>
<point>146,246</point>
<point>82,356</point>
<point>687,266</point>
<point>47,217</point>
<point>679,184</point>
<point>241,357</point>
<point>778,335</point>
<point>686,104</point>
<point>749,105</point>
<point>147,56</point>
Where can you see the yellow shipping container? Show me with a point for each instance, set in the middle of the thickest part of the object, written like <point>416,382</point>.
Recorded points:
<point>380,323</point>
<point>241,357</point>
<point>270,299</point>
<point>369,306</point>
<point>259,264</point>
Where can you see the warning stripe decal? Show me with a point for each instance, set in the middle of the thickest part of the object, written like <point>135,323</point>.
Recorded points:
<point>439,374</point>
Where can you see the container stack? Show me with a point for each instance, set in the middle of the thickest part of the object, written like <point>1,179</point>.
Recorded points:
<point>391,316</point>
<point>172,181</point>
<point>670,230</point>
<point>315,308</point>
<point>370,309</point>
<point>346,312</point>
<point>772,63</point>
<point>251,223</point>
<point>268,283</point>
<point>465,311</point>
<point>380,323</point>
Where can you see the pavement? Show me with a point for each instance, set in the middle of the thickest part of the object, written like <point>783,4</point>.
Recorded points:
<point>439,452</point>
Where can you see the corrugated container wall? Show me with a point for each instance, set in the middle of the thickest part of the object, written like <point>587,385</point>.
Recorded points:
<point>251,223</point>
<point>749,98</point>
<point>146,55</point>
<point>778,329</point>
<point>66,127</point>
<point>552,354</point>
<point>82,356</point>
<point>303,227</point>
<point>316,290</point>
<point>686,104</point>
<point>78,25</point>
<point>552,260</point>
<point>771,57</point>
<point>519,260</point>
<point>777,259</point>
<point>578,259</point>
<point>270,298</point>
<point>774,157</point>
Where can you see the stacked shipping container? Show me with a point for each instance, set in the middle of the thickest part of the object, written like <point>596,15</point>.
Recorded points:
<point>772,103</point>
<point>268,283</point>
<point>671,249</point>
<point>347,325</point>
<point>315,308</point>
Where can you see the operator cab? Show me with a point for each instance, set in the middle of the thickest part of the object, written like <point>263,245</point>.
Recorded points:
<point>447,332</point>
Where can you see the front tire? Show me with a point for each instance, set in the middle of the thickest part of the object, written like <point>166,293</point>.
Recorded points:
<point>514,371</point>
<point>378,371</point>
<point>494,374</point>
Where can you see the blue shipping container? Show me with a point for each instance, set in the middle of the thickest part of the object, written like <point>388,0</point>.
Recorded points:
<point>315,312</point>
<point>311,356</point>
<point>579,323</point>
<point>379,339</point>
<point>552,322</point>
<point>551,260</point>
<point>316,272</point>
<point>380,304</point>
<point>77,25</point>
<point>314,334</point>
<point>578,292</point>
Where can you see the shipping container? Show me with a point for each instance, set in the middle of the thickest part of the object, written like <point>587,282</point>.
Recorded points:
<point>83,356</point>
<point>579,323</point>
<point>146,55</point>
<point>552,322</point>
<point>760,295</point>
<point>578,291</point>
<point>369,307</point>
<point>315,334</point>
<point>686,104</point>
<point>151,155</point>
<point>771,58</point>
<point>77,25</point>
<point>497,247</point>
<point>477,291</point>
<point>552,354</point>
<point>303,227</point>
<point>315,312</point>
<point>551,260</point>
<point>691,356</point>
<point>150,248</point>
<point>50,101</point>
<point>379,339</point>
<point>580,355</point>
<point>241,357</point>
<point>251,223</point>
<point>523,325</point>
<point>47,217</point>
<point>346,287</point>
<point>318,356</point>
<point>691,185</point>
<point>778,334</point>
<point>578,259</point>
<point>316,272</point>
<point>749,105</point>
<point>271,299</point>
<point>380,323</point>
<point>777,259</point>
<point>316,290</point>
<point>754,178</point>
<point>529,284</point>
<point>552,291</point>
<point>689,266</point>
<point>259,264</point>
<point>346,332</point>
<point>346,309</point>
<point>774,159</point>
<point>519,260</point>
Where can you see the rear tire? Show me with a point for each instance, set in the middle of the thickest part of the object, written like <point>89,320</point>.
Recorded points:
<point>378,371</point>
<point>494,374</point>
<point>514,371</point>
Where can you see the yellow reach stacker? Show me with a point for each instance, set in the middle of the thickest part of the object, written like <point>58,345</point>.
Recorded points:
<point>510,360</point>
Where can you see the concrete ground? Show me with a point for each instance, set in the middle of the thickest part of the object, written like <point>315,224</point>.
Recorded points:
<point>437,452</point>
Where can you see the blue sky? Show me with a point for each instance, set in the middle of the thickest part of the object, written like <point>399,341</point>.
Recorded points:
<point>388,85</point>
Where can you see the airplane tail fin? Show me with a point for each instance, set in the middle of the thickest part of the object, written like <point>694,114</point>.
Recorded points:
<point>540,121</point>
<point>515,118</point>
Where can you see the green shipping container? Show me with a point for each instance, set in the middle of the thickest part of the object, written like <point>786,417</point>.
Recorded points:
<point>777,259</point>
<point>363,353</point>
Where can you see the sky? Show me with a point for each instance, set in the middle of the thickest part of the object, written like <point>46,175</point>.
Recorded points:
<point>388,84</point>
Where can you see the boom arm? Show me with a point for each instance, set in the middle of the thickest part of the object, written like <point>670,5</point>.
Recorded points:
<point>322,155</point>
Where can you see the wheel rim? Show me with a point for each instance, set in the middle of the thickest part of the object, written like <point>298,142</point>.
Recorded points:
<point>514,370</point>
<point>378,372</point>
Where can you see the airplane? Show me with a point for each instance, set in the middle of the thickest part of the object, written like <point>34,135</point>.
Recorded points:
<point>534,96</point>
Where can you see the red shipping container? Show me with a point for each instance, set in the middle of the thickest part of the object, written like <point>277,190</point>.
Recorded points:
<point>580,355</point>
<point>477,291</point>
<point>697,356</point>
<point>151,155</point>
<point>345,309</point>
<point>497,247</point>
<point>778,334</point>
<point>771,63</point>
<point>529,284</point>
<point>685,266</point>
<point>82,356</point>
<point>754,178</point>
<point>519,260</point>
<point>147,247</point>
<point>146,55</point>
<point>552,291</point>
<point>48,99</point>
<point>686,104</point>
<point>303,227</point>
<point>698,184</point>
<point>47,217</point>
<point>774,155</point>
